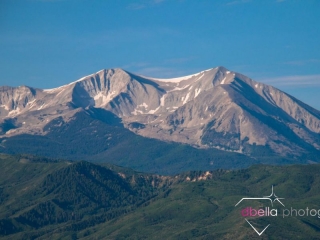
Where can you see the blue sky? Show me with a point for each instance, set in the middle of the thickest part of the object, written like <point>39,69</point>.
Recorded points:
<point>48,43</point>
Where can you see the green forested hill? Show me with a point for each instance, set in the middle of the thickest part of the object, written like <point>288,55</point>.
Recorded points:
<point>51,199</point>
<point>40,195</point>
<point>205,209</point>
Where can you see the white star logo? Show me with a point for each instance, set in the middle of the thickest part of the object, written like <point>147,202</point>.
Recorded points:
<point>272,198</point>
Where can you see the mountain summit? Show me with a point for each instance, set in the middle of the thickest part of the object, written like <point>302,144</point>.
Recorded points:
<point>215,108</point>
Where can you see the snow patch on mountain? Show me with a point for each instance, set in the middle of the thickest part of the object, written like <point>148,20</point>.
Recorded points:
<point>186,98</point>
<point>178,79</point>
<point>197,92</point>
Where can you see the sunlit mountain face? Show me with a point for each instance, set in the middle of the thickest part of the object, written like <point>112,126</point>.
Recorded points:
<point>213,109</point>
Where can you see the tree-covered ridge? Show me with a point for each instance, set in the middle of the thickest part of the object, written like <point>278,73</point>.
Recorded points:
<point>40,194</point>
<point>51,199</point>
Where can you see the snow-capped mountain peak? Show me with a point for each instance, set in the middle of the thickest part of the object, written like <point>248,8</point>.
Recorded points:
<point>212,108</point>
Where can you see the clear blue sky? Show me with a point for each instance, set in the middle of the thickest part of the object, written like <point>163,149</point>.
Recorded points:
<point>48,43</point>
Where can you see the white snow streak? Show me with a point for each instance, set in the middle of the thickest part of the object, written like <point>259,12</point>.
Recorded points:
<point>177,88</point>
<point>153,111</point>
<point>79,80</point>
<point>14,112</point>
<point>186,99</point>
<point>197,91</point>
<point>175,80</point>
<point>162,99</point>
<point>31,103</point>
<point>104,99</point>
<point>200,77</point>
<point>143,105</point>
<point>135,112</point>
<point>5,107</point>
<point>42,106</point>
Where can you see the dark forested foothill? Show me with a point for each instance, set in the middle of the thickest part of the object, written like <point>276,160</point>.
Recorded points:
<point>44,198</point>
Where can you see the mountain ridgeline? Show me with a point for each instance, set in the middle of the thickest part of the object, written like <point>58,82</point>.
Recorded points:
<point>219,118</point>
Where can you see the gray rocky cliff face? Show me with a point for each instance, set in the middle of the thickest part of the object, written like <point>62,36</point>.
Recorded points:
<point>214,108</point>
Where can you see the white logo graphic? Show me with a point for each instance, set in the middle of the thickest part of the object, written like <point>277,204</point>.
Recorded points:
<point>272,198</point>
<point>259,233</point>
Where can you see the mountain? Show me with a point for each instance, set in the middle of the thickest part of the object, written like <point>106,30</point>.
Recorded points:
<point>213,109</point>
<point>54,199</point>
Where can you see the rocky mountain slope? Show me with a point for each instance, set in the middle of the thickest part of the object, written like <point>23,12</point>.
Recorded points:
<point>216,108</point>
